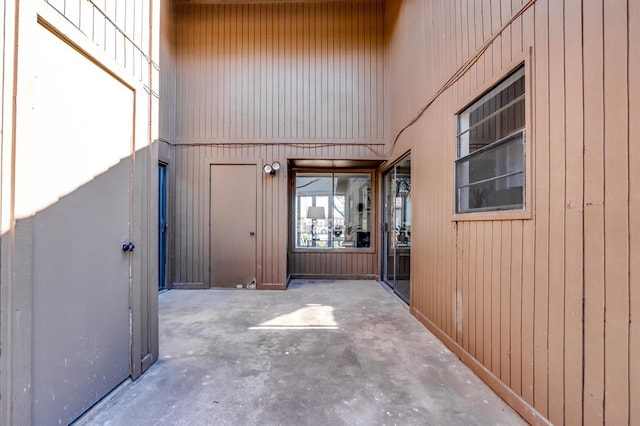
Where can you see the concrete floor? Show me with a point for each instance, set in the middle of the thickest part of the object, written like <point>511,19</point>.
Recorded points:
<point>320,353</point>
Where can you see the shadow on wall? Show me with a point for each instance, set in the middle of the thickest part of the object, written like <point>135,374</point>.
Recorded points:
<point>80,341</point>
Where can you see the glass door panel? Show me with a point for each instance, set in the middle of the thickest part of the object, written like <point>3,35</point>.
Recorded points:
<point>397,222</point>
<point>389,273</point>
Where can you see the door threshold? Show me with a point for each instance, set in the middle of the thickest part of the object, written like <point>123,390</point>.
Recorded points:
<point>390,290</point>
<point>88,415</point>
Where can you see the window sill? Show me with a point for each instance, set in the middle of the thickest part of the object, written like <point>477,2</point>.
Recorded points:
<point>327,250</point>
<point>494,215</point>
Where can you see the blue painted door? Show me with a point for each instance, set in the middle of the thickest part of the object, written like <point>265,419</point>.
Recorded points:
<point>162,226</point>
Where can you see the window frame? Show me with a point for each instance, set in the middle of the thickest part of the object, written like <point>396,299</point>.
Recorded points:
<point>527,211</point>
<point>293,218</point>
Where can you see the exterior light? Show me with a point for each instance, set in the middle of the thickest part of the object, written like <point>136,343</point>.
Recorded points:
<point>271,169</point>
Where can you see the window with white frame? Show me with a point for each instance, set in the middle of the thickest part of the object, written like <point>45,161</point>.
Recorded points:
<point>333,210</point>
<point>490,163</point>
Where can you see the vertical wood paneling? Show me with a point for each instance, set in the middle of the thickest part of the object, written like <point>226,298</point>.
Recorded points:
<point>634,212</point>
<point>120,28</point>
<point>297,75</point>
<point>281,71</point>
<point>532,294</point>
<point>167,80</point>
<point>462,288</point>
<point>496,255</point>
<point>487,302</point>
<point>505,302</point>
<point>509,292</point>
<point>528,249</point>
<point>528,311</point>
<point>542,165</point>
<point>514,282</point>
<point>470,322</point>
<point>190,238</point>
<point>616,220</point>
<point>557,168</point>
<point>574,277</point>
<point>479,297</point>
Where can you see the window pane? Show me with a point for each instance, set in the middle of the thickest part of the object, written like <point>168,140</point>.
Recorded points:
<point>313,193</point>
<point>508,121</point>
<point>490,149</point>
<point>353,210</point>
<point>493,179</point>
<point>333,210</point>
<point>494,116</point>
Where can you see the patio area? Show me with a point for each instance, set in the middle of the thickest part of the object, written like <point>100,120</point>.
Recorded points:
<point>320,353</point>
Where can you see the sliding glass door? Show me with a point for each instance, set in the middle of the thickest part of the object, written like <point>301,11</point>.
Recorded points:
<point>397,224</point>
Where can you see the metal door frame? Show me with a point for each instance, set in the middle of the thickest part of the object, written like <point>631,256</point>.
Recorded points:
<point>385,237</point>
<point>163,217</point>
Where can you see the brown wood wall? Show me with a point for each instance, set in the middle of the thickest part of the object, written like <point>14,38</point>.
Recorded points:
<point>548,305</point>
<point>167,53</point>
<point>126,33</point>
<point>265,82</point>
<point>119,27</point>
<point>189,232</point>
<point>334,264</point>
<point>279,71</point>
<point>118,37</point>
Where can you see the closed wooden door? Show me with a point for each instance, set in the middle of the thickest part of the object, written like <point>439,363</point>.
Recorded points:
<point>233,229</point>
<point>82,202</point>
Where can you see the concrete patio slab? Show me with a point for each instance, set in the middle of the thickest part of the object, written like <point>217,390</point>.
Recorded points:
<point>320,353</point>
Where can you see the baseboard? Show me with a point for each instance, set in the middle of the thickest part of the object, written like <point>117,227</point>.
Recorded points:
<point>516,402</point>
<point>371,277</point>
<point>272,286</point>
<point>189,286</point>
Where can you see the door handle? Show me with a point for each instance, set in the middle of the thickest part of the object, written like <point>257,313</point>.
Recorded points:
<point>128,246</point>
<point>252,233</point>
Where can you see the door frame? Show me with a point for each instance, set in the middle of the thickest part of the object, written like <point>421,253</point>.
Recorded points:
<point>163,269</point>
<point>384,243</point>
<point>258,162</point>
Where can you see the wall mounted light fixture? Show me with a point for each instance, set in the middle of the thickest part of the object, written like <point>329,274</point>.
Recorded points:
<point>271,169</point>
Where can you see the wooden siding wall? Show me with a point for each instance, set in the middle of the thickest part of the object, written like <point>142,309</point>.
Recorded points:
<point>280,72</point>
<point>127,33</point>
<point>190,236</point>
<point>545,309</point>
<point>167,113</point>
<point>119,27</point>
<point>6,148</point>
<point>122,37</point>
<point>271,82</point>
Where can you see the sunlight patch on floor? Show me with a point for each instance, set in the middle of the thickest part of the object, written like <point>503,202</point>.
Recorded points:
<point>311,317</point>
